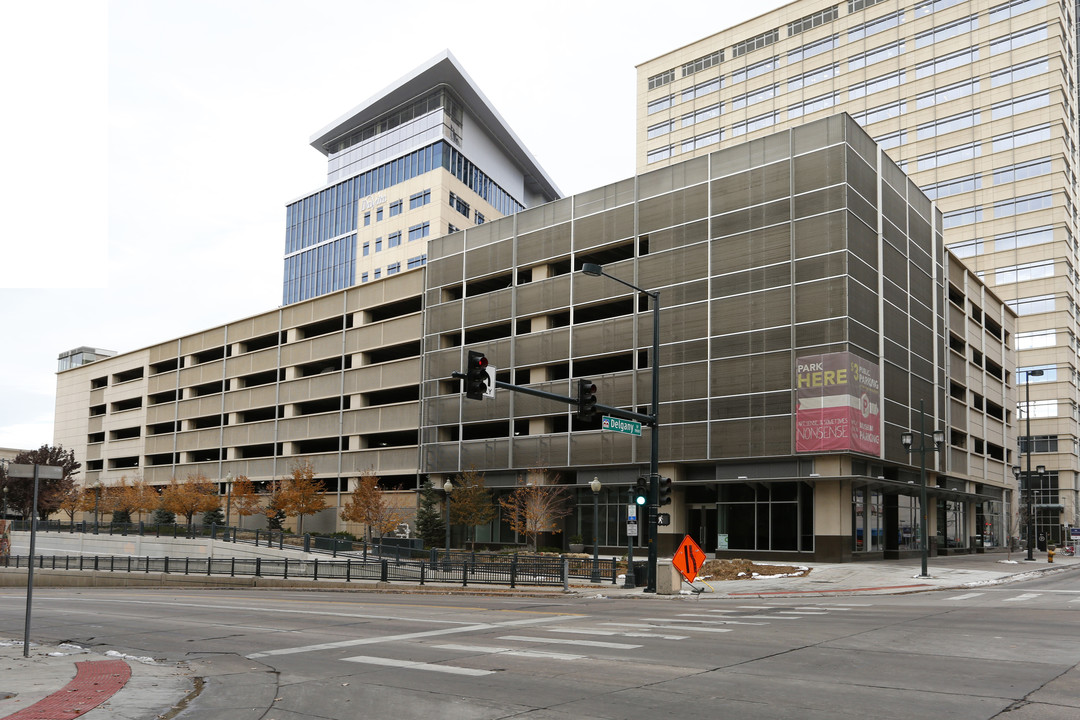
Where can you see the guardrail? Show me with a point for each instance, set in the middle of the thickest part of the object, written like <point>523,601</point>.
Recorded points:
<point>512,571</point>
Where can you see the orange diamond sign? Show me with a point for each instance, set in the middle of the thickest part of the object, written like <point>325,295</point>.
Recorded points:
<point>688,558</point>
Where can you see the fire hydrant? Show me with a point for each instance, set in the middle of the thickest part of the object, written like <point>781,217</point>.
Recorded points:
<point>1050,554</point>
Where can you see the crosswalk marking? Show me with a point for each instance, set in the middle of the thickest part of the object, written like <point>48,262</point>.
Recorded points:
<point>564,641</point>
<point>1021,598</point>
<point>968,596</point>
<point>681,628</point>
<point>711,620</point>
<point>369,660</point>
<point>578,631</point>
<point>511,651</point>
<point>804,612</point>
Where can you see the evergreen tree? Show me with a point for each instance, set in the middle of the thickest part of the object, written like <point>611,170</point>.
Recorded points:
<point>122,516</point>
<point>213,517</point>
<point>162,516</point>
<point>430,524</point>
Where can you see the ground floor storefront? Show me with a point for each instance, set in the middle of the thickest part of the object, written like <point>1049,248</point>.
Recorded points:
<point>820,520</point>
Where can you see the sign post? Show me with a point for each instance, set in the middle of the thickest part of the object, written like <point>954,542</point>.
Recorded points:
<point>48,472</point>
<point>631,533</point>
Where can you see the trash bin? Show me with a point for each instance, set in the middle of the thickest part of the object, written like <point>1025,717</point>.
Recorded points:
<point>641,573</point>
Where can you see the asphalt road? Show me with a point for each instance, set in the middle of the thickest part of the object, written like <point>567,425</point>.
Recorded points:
<point>975,653</point>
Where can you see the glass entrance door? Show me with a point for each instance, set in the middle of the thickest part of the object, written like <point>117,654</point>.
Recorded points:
<point>701,526</point>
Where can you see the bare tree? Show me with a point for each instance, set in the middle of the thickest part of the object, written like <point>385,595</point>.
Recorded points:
<point>536,505</point>
<point>369,505</point>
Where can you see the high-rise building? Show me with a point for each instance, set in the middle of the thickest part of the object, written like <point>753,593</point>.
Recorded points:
<point>977,103</point>
<point>426,156</point>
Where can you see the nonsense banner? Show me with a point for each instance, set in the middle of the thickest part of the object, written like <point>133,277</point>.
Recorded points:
<point>838,404</point>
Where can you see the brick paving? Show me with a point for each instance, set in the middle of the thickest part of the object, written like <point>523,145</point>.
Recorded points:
<point>95,682</point>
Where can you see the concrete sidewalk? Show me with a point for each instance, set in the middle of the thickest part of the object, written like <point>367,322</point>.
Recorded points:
<point>885,577</point>
<point>159,689</point>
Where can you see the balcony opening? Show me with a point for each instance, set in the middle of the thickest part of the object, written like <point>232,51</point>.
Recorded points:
<point>393,352</point>
<point>316,407</point>
<point>392,396</point>
<point>324,327</point>
<point>208,421</point>
<point>258,414</point>
<point>389,311</point>
<point>404,438</point>
<point>489,284</point>
<point>206,356</point>
<point>321,367</point>
<point>488,333</point>
<point>127,375</point>
<point>165,366</point>
<point>262,342</point>
<point>125,433</point>
<point>317,446</point>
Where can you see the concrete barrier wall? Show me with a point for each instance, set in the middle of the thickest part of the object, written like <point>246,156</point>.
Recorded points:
<point>125,545</point>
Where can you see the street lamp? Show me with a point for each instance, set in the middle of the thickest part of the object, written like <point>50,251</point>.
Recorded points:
<point>1027,413</point>
<point>906,441</point>
<point>595,486</point>
<point>654,456</point>
<point>228,498</point>
<point>448,487</point>
<point>1018,473</point>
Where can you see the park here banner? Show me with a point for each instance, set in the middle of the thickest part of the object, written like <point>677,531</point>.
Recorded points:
<point>838,403</point>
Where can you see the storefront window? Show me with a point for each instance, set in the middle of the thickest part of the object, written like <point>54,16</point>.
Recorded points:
<point>907,513</point>
<point>989,524</point>
<point>766,517</point>
<point>869,520</point>
<point>952,525</point>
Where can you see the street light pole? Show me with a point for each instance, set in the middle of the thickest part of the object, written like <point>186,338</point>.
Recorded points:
<point>1030,510</point>
<point>595,486</point>
<point>654,454</point>
<point>448,487</point>
<point>906,441</point>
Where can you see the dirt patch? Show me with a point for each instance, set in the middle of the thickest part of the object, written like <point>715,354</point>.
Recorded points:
<point>739,569</point>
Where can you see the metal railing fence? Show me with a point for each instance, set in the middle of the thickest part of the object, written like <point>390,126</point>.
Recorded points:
<point>513,570</point>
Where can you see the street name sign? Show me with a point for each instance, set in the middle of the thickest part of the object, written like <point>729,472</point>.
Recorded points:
<point>629,427</point>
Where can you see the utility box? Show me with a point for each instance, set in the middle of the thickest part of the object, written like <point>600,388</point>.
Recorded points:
<point>668,579</point>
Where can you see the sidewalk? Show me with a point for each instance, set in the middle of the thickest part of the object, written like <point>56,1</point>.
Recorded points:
<point>887,577</point>
<point>52,677</point>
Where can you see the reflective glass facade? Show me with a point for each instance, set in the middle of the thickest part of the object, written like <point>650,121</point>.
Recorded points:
<point>332,212</point>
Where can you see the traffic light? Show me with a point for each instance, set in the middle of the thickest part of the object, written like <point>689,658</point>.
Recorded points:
<point>641,491</point>
<point>476,378</point>
<point>665,491</point>
<point>586,400</point>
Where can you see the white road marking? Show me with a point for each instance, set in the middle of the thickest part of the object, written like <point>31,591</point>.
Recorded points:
<point>368,660</point>
<point>511,651</point>
<point>1021,598</point>
<point>564,641</point>
<point>681,628</point>
<point>403,636</point>
<point>804,612</point>
<point>966,596</point>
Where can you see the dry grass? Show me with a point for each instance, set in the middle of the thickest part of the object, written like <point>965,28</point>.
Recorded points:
<point>744,570</point>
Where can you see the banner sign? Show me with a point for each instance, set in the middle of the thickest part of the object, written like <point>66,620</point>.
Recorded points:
<point>838,398</point>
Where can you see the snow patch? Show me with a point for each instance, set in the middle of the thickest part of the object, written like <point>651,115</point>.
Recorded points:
<point>122,656</point>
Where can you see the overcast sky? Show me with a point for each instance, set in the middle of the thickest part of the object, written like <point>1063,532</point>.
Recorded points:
<point>149,147</point>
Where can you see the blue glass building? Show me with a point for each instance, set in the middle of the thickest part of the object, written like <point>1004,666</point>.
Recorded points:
<point>426,156</point>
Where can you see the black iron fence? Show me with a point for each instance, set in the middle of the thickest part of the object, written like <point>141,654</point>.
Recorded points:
<point>457,568</point>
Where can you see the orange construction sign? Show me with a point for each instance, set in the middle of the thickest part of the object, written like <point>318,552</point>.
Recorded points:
<point>688,558</point>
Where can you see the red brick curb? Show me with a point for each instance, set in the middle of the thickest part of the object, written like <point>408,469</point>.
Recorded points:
<point>95,682</point>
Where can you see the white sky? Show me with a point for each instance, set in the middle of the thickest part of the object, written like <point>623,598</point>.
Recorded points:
<point>148,147</point>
